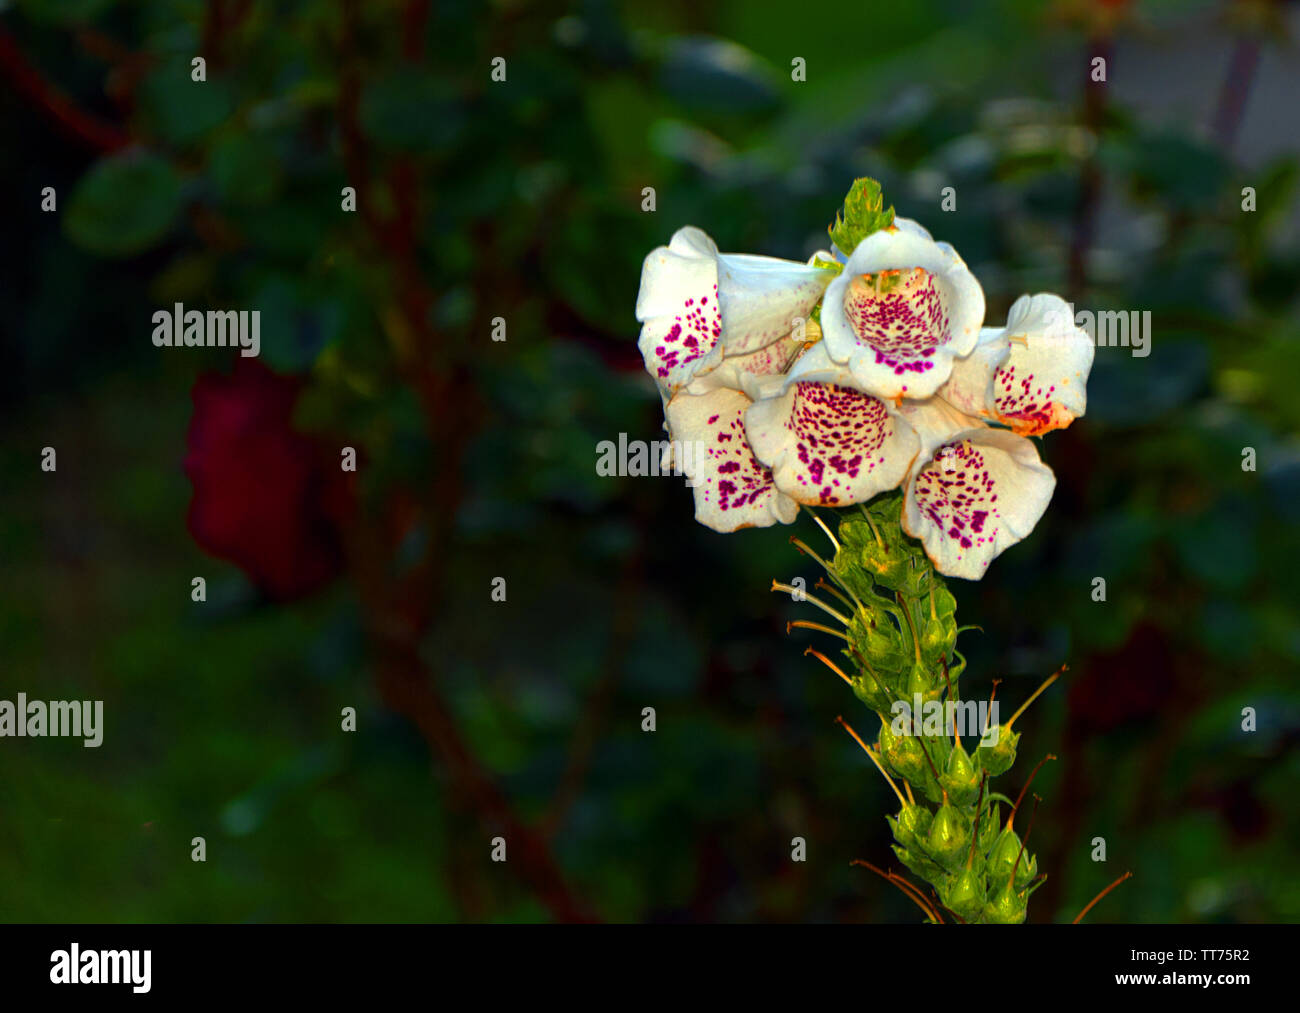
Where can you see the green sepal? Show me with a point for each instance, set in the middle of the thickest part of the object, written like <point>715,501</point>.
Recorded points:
<point>1003,857</point>
<point>912,824</point>
<point>998,758</point>
<point>965,893</point>
<point>866,689</point>
<point>937,630</point>
<point>960,777</point>
<point>948,840</point>
<point>923,680</point>
<point>919,864</point>
<point>905,757</point>
<point>877,638</point>
<point>1005,907</point>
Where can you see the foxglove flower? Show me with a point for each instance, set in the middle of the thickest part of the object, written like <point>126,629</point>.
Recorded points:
<point>896,383</point>
<point>697,305</point>
<point>901,310</point>
<point>1030,375</point>
<point>706,427</point>
<point>973,492</point>
<point>826,442</point>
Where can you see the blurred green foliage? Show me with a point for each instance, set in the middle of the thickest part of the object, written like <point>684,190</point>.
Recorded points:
<point>222,719</point>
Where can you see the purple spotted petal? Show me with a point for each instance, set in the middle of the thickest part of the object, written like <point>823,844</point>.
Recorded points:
<point>829,444</point>
<point>732,489</point>
<point>903,308</point>
<point>977,494</point>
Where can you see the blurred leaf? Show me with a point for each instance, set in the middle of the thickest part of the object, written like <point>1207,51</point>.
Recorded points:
<point>245,168</point>
<point>716,75</point>
<point>124,204</point>
<point>181,110</point>
<point>413,110</point>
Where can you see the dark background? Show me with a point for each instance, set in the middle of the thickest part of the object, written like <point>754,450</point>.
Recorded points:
<point>522,200</point>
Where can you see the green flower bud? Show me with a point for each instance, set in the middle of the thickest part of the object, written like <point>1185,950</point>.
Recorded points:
<point>938,631</point>
<point>948,840</point>
<point>998,758</point>
<point>960,777</point>
<point>889,564</point>
<point>903,754</point>
<point>965,893</point>
<point>921,680</point>
<point>881,551</point>
<point>866,689</point>
<point>1005,907</point>
<point>1003,857</point>
<point>911,825</point>
<point>878,640</point>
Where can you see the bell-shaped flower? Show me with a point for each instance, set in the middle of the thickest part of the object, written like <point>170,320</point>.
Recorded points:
<point>901,310</point>
<point>697,305</point>
<point>706,427</point>
<point>828,443</point>
<point>973,491</point>
<point>1032,375</point>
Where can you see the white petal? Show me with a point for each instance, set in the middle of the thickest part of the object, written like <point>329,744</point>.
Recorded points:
<point>678,307</point>
<point>732,489</point>
<point>970,385</point>
<point>975,495</point>
<point>913,226</point>
<point>827,443</point>
<point>1043,385</point>
<point>935,422</point>
<point>698,306</point>
<point>764,298</point>
<point>754,372</point>
<point>816,366</point>
<point>902,343</point>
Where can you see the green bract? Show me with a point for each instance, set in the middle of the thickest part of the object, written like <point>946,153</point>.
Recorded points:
<point>864,213</point>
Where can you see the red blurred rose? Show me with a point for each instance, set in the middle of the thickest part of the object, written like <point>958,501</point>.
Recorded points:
<point>266,498</point>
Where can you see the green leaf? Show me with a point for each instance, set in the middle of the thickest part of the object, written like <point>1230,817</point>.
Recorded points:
<point>863,214</point>
<point>124,205</point>
<point>412,110</point>
<point>181,110</point>
<point>244,168</point>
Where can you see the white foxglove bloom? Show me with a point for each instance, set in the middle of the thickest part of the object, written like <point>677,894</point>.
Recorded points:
<point>1031,375</point>
<point>826,442</point>
<point>697,305</point>
<point>973,492</point>
<point>901,310</point>
<point>706,427</point>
